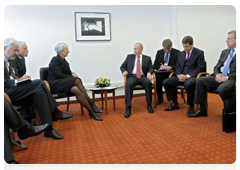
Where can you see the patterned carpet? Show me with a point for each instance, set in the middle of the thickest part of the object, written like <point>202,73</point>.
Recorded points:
<point>144,138</point>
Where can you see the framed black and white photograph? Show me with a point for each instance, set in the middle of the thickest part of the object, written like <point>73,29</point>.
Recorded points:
<point>92,26</point>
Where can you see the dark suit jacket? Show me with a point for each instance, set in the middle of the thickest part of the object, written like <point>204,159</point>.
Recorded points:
<point>128,64</point>
<point>20,65</point>
<point>9,83</point>
<point>18,91</point>
<point>196,62</point>
<point>160,58</point>
<point>58,69</point>
<point>223,57</point>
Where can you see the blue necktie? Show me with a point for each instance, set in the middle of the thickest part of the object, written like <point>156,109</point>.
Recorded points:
<point>166,59</point>
<point>226,67</point>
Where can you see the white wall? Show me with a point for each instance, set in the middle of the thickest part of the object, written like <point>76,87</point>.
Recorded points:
<point>42,27</point>
<point>208,25</point>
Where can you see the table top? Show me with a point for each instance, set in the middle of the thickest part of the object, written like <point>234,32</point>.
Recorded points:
<point>111,87</point>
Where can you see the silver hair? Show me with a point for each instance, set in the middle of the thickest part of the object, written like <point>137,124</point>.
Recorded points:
<point>140,45</point>
<point>21,43</point>
<point>10,41</point>
<point>59,47</point>
<point>234,32</point>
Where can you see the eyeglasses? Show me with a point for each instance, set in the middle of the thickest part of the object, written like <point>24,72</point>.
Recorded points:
<point>14,50</point>
<point>231,38</point>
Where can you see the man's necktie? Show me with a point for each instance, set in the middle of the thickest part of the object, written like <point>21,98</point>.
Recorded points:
<point>188,55</point>
<point>138,68</point>
<point>166,59</point>
<point>11,73</point>
<point>226,67</point>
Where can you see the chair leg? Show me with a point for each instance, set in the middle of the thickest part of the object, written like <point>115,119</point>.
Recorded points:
<point>82,111</point>
<point>169,103</point>
<point>155,100</point>
<point>16,143</point>
<point>67,103</point>
<point>197,107</point>
<point>37,119</point>
<point>183,97</point>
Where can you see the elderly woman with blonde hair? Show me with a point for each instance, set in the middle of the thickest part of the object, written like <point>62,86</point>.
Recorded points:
<point>63,81</point>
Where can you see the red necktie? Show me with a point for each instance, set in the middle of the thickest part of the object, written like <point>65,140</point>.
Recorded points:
<point>138,68</point>
<point>188,55</point>
<point>11,70</point>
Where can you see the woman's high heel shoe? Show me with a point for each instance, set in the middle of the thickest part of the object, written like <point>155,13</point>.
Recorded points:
<point>96,117</point>
<point>98,110</point>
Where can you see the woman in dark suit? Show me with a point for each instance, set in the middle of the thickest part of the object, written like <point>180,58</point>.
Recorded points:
<point>62,81</point>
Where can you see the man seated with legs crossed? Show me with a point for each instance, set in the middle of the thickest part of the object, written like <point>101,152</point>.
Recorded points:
<point>224,78</point>
<point>13,120</point>
<point>35,92</point>
<point>138,69</point>
<point>190,62</point>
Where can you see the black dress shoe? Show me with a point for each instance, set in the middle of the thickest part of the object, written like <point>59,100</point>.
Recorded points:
<point>61,116</point>
<point>53,134</point>
<point>159,102</point>
<point>198,113</point>
<point>13,165</point>
<point>127,113</point>
<point>172,107</point>
<point>98,110</point>
<point>28,131</point>
<point>150,109</point>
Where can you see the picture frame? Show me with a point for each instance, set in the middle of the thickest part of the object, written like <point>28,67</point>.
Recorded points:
<point>92,26</point>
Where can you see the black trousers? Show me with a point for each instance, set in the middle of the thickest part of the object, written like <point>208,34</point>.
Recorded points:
<point>36,93</point>
<point>225,89</point>
<point>132,80</point>
<point>189,85</point>
<point>159,79</point>
<point>13,120</point>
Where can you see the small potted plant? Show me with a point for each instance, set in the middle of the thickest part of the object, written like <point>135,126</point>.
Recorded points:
<point>102,82</point>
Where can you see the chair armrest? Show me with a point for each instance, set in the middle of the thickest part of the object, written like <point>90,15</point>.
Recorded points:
<point>171,74</point>
<point>154,77</point>
<point>48,86</point>
<point>125,83</point>
<point>211,74</point>
<point>7,97</point>
<point>202,74</point>
<point>236,89</point>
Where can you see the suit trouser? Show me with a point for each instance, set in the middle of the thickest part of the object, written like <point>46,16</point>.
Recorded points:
<point>41,98</point>
<point>132,80</point>
<point>225,89</point>
<point>189,85</point>
<point>28,113</point>
<point>13,120</point>
<point>159,79</point>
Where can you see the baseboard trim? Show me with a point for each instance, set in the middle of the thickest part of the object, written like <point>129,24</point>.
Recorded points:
<point>109,98</point>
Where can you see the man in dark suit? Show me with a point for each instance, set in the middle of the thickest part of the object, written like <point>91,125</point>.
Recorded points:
<point>27,114</point>
<point>190,62</point>
<point>138,69</point>
<point>20,58</point>
<point>35,92</point>
<point>224,78</point>
<point>13,120</point>
<point>165,60</point>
